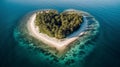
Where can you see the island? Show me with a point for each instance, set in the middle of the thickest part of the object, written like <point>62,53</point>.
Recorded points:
<point>56,32</point>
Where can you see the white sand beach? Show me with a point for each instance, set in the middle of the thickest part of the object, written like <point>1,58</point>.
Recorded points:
<point>60,45</point>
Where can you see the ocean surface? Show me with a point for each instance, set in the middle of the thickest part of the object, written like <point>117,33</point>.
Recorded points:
<point>106,52</point>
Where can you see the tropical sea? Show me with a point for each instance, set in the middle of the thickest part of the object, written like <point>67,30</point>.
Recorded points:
<point>106,52</point>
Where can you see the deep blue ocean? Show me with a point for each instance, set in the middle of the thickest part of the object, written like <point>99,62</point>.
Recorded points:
<point>107,44</point>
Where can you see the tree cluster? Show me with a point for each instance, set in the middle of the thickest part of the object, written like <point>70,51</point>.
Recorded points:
<point>58,25</point>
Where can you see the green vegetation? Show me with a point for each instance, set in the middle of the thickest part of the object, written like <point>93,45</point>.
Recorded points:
<point>58,25</point>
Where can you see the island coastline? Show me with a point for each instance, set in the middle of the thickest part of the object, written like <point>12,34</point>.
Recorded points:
<point>60,46</point>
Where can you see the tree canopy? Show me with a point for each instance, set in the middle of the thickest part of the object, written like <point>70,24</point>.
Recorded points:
<point>58,25</point>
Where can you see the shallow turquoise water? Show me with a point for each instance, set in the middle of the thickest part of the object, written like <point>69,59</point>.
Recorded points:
<point>105,54</point>
<point>72,57</point>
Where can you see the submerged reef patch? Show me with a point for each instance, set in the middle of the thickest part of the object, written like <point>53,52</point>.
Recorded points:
<point>78,49</point>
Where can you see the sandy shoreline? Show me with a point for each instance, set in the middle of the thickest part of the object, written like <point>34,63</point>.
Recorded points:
<point>59,45</point>
<point>49,40</point>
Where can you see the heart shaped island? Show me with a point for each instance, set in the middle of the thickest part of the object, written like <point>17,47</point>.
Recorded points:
<point>56,32</point>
